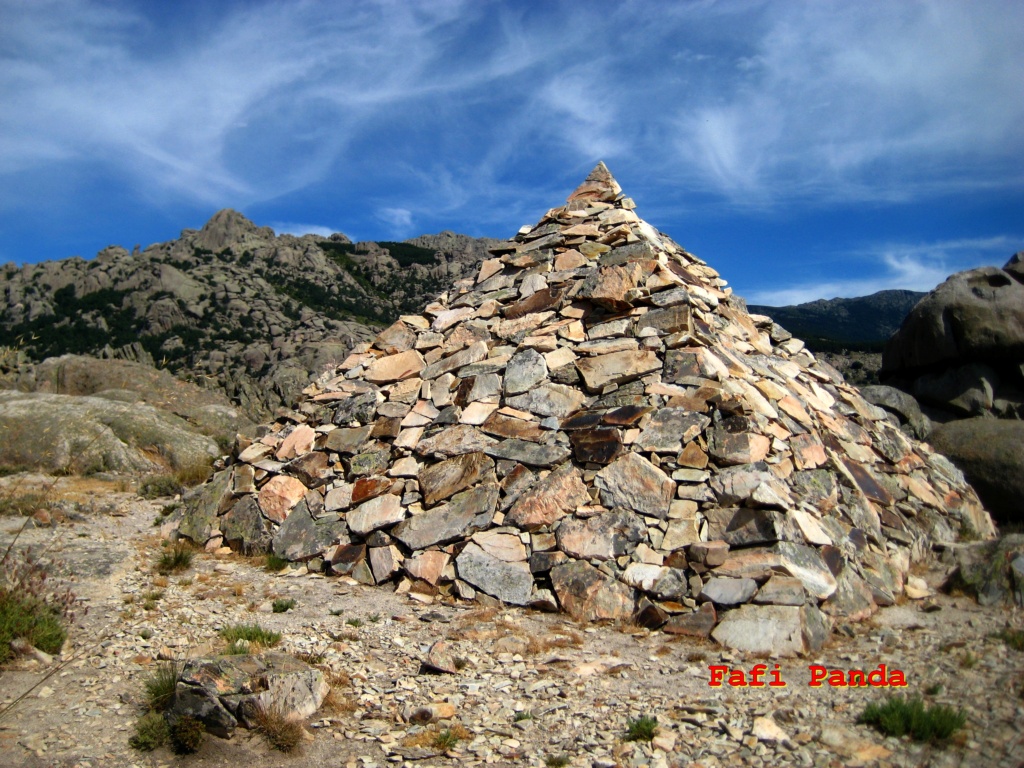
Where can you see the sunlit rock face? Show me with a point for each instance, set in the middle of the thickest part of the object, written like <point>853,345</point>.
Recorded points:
<point>593,423</point>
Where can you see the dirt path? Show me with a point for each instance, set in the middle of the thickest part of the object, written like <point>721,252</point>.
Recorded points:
<point>532,687</point>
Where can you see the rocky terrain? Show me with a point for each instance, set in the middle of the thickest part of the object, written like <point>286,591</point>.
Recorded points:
<point>527,687</point>
<point>591,424</point>
<point>77,414</point>
<point>231,306</point>
<point>954,374</point>
<point>577,488</point>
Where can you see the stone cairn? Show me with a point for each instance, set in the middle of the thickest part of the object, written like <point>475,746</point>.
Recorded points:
<point>594,423</point>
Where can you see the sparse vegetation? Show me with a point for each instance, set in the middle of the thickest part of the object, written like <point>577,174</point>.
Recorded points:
<point>161,685</point>
<point>1014,638</point>
<point>282,732</point>
<point>24,504</point>
<point>910,717</point>
<point>193,474</point>
<point>524,715</point>
<point>433,738</point>
<point>32,605</point>
<point>283,605</point>
<point>151,731</point>
<point>643,728</point>
<point>556,761</point>
<point>968,660</point>
<point>177,557</point>
<point>355,622</point>
<point>311,657</point>
<point>187,735</point>
<point>158,486</point>
<point>171,484</point>
<point>251,633</point>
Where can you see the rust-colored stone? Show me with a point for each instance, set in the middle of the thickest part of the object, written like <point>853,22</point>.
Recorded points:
<point>599,446</point>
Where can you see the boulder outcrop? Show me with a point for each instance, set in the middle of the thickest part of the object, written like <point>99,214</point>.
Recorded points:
<point>594,423</point>
<point>962,347</point>
<point>960,353</point>
<point>81,435</point>
<point>990,452</point>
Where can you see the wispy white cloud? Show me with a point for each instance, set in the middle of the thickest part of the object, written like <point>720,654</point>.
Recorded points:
<point>854,101</point>
<point>890,266</point>
<point>461,106</point>
<point>398,218</point>
<point>297,229</point>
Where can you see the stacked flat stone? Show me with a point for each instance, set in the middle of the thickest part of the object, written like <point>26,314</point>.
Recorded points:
<point>593,423</point>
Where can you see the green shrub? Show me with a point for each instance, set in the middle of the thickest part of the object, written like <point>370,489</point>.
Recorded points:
<point>901,717</point>
<point>273,563</point>
<point>187,735</point>
<point>1014,638</point>
<point>282,605</point>
<point>161,686</point>
<point>32,605</point>
<point>238,648</point>
<point>644,728</point>
<point>151,731</point>
<point>32,619</point>
<point>251,633</point>
<point>446,740</point>
<point>175,558</point>
<point>556,761</point>
<point>157,486</point>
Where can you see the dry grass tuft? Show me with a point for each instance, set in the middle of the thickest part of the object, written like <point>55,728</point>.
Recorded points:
<point>437,738</point>
<point>337,704</point>
<point>283,732</point>
<point>477,616</point>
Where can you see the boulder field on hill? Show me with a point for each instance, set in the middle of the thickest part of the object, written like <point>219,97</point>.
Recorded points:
<point>233,305</point>
<point>593,423</point>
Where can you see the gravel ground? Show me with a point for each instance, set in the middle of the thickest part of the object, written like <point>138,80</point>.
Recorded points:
<point>530,688</point>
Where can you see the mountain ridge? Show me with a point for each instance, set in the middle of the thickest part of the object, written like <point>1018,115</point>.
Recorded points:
<point>231,305</point>
<point>861,322</point>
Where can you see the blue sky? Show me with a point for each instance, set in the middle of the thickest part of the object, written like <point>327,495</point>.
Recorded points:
<point>804,149</point>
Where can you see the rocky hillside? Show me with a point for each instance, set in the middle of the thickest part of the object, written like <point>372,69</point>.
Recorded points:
<point>231,305</point>
<point>865,322</point>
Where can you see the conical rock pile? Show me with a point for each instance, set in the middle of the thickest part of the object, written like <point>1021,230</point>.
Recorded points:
<point>594,423</point>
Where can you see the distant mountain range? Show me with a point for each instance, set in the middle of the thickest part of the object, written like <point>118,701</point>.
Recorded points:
<point>829,325</point>
<point>235,307</point>
<point>231,305</point>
